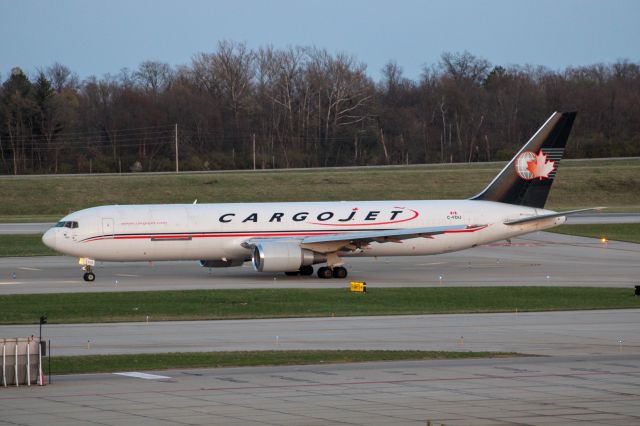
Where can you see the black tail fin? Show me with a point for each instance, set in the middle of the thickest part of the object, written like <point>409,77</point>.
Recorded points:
<point>527,179</point>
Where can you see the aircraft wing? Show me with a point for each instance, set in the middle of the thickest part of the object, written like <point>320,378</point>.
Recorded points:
<point>354,240</point>
<point>391,235</point>
<point>549,216</point>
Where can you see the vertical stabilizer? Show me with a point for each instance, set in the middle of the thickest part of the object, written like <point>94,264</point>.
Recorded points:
<point>527,178</point>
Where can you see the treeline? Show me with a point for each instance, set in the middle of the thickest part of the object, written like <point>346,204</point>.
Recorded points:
<point>305,107</point>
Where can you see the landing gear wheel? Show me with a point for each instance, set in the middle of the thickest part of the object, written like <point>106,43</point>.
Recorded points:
<point>339,272</point>
<point>324,272</point>
<point>89,276</point>
<point>291,273</point>
<point>306,270</point>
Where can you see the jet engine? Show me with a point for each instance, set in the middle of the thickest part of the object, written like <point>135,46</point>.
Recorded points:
<point>283,257</point>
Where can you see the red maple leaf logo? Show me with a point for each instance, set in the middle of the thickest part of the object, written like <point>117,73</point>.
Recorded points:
<point>540,167</point>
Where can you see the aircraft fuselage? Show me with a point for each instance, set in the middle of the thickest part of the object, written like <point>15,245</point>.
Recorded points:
<point>217,231</point>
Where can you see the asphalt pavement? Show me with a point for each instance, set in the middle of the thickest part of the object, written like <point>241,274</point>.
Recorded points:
<point>539,259</point>
<point>600,332</point>
<point>599,390</point>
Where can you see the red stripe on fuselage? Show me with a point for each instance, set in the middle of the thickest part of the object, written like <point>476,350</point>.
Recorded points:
<point>459,231</point>
<point>236,235</point>
<point>177,236</point>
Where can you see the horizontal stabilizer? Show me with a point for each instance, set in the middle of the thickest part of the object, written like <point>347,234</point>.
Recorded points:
<point>549,216</point>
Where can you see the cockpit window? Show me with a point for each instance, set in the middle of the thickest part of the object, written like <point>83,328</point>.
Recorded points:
<point>67,224</point>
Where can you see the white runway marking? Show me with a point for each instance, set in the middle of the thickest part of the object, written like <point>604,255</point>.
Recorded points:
<point>486,266</point>
<point>145,376</point>
<point>30,269</point>
<point>126,275</point>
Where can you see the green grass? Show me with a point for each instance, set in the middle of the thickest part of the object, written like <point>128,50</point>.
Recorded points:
<point>615,184</point>
<point>274,303</point>
<point>34,218</point>
<point>163,361</point>
<point>629,232</point>
<point>23,245</point>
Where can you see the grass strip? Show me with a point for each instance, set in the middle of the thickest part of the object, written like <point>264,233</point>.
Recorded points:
<point>281,303</point>
<point>162,361</point>
<point>24,245</point>
<point>29,218</point>
<point>580,183</point>
<point>629,232</point>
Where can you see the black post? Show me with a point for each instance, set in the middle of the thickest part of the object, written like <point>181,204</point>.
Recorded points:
<point>43,320</point>
<point>49,361</point>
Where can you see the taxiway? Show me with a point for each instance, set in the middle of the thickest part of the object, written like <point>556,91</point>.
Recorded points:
<point>600,332</point>
<point>540,259</point>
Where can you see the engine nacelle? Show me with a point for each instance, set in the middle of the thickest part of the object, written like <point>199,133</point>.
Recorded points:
<point>220,263</point>
<point>283,257</point>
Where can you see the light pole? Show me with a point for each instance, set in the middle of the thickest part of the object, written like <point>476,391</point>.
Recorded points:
<point>176,135</point>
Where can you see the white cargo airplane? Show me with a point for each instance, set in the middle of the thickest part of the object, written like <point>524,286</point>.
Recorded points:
<point>291,237</point>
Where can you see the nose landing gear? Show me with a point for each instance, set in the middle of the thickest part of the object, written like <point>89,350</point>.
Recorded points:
<point>88,275</point>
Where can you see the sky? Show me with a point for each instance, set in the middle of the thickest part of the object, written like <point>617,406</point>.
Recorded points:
<point>99,37</point>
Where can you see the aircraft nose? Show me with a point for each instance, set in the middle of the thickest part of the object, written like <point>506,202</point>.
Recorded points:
<point>49,239</point>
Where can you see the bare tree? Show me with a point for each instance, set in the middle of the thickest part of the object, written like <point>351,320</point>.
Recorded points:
<point>154,77</point>
<point>306,107</point>
<point>62,77</point>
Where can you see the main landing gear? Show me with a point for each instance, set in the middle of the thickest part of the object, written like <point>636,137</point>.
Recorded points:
<point>323,272</point>
<point>337,272</point>
<point>305,270</point>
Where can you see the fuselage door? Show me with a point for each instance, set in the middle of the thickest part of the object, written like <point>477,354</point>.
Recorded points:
<point>107,227</point>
